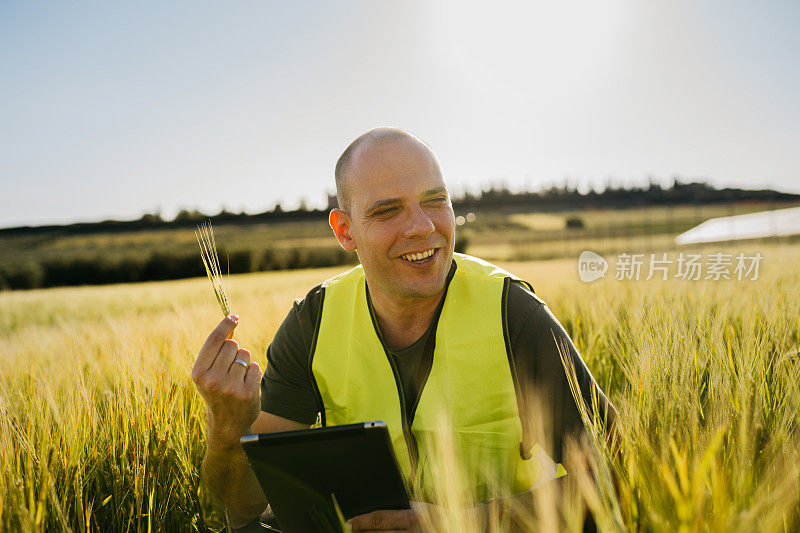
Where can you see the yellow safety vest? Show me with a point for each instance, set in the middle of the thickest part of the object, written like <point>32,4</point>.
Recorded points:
<point>470,388</point>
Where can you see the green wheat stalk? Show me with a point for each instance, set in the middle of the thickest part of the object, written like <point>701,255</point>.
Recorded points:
<point>208,253</point>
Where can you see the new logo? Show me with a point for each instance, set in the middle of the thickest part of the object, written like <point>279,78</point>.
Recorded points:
<point>591,266</point>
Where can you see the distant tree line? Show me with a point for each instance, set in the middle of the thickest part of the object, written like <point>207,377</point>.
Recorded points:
<point>567,198</point>
<point>495,197</point>
<point>184,219</point>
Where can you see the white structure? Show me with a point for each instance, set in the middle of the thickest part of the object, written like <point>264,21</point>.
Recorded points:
<point>777,223</point>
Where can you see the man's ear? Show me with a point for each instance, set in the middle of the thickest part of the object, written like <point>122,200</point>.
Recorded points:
<point>340,224</point>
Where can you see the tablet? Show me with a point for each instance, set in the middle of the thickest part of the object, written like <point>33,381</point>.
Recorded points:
<point>306,474</point>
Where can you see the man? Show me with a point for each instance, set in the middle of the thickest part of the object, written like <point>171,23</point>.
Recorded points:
<point>412,318</point>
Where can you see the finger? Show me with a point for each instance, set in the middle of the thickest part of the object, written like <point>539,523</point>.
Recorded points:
<point>240,364</point>
<point>384,520</point>
<point>223,331</point>
<point>225,357</point>
<point>252,379</point>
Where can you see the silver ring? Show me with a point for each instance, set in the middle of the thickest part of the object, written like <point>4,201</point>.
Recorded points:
<point>240,362</point>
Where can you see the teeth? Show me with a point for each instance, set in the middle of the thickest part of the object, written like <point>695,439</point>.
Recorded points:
<point>420,256</point>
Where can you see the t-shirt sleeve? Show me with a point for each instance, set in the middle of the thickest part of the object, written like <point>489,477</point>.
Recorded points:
<point>536,337</point>
<point>286,388</point>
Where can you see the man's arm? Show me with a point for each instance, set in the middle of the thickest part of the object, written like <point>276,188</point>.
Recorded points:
<point>284,401</point>
<point>229,383</point>
<point>229,476</point>
<point>538,342</point>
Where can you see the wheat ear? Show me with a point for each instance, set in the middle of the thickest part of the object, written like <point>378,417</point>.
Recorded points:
<point>208,253</point>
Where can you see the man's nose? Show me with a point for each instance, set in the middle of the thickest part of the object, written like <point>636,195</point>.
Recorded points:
<point>418,223</point>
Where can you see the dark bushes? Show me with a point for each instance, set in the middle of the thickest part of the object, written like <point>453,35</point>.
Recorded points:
<point>21,276</point>
<point>574,223</point>
<point>104,269</point>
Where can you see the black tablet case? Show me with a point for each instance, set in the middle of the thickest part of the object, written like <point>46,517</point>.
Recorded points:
<point>299,472</point>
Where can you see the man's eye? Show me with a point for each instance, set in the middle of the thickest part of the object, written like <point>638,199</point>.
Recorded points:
<point>438,200</point>
<point>384,212</point>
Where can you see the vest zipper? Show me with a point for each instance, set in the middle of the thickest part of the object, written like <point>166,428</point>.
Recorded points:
<point>411,442</point>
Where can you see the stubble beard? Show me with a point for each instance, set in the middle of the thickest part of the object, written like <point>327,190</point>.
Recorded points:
<point>408,289</point>
<point>393,283</point>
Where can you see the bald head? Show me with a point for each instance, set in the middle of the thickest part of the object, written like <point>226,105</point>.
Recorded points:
<point>362,143</point>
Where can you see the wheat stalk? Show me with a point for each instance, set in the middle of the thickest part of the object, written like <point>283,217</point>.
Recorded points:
<point>208,253</point>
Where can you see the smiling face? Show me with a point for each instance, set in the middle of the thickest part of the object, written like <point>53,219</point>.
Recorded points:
<point>400,220</point>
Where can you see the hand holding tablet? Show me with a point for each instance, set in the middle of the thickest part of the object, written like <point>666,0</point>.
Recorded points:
<point>305,474</point>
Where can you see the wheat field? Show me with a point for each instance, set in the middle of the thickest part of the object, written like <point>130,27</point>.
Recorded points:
<point>101,428</point>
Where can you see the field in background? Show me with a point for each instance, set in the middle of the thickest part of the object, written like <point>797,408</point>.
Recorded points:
<point>58,258</point>
<point>101,428</point>
<point>529,236</point>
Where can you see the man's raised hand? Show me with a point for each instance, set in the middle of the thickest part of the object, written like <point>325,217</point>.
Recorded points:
<point>409,520</point>
<point>229,383</point>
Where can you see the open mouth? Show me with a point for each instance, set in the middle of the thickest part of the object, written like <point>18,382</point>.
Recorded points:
<point>421,258</point>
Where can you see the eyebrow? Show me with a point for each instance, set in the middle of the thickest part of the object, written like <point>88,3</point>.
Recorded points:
<point>381,203</point>
<point>435,191</point>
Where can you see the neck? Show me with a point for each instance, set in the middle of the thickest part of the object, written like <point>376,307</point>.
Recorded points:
<point>403,320</point>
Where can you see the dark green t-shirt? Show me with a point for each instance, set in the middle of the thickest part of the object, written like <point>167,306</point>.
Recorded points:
<point>287,390</point>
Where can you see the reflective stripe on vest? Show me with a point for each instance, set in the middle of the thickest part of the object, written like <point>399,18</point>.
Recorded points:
<point>469,395</point>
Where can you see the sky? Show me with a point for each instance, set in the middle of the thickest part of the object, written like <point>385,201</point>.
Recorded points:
<point>116,109</point>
